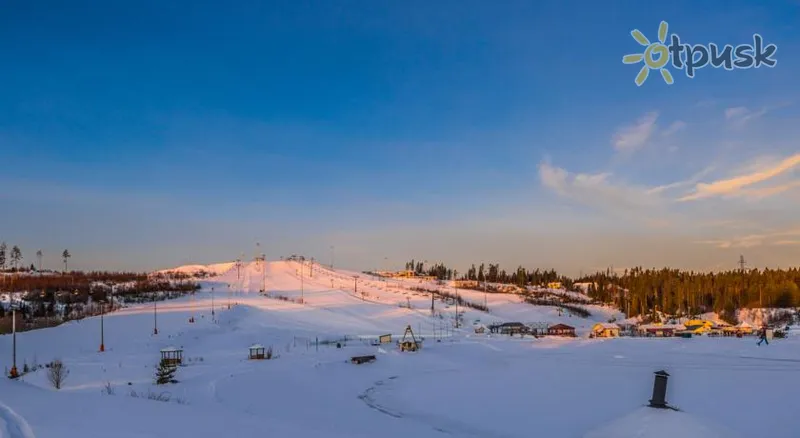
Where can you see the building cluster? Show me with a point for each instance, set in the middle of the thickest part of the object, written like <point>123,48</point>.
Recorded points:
<point>534,329</point>
<point>695,327</point>
<point>405,274</point>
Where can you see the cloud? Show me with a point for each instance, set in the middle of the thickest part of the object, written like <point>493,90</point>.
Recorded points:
<point>778,238</point>
<point>739,116</point>
<point>733,186</point>
<point>632,137</point>
<point>597,190</point>
<point>693,180</point>
<point>676,126</point>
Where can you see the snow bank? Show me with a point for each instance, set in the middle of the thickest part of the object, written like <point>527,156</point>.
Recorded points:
<point>648,422</point>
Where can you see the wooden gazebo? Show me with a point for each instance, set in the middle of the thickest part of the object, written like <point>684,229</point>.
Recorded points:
<point>172,356</point>
<point>257,352</point>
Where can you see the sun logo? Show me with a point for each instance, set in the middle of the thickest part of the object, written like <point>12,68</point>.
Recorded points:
<point>655,56</point>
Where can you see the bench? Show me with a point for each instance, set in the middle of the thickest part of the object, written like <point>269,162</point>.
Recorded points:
<point>362,359</point>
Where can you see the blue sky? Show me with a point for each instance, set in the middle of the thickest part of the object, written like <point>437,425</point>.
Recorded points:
<point>147,135</point>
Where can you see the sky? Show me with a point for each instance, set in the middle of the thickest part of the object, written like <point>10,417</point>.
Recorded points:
<point>152,134</point>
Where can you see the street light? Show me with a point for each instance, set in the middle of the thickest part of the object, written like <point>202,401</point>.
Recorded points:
<point>14,373</point>
<point>102,328</point>
<point>155,315</point>
<point>191,318</point>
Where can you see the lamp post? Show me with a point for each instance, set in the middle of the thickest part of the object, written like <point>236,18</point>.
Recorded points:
<point>302,286</point>
<point>229,297</point>
<point>155,315</point>
<point>191,318</point>
<point>14,373</point>
<point>102,328</point>
<point>212,304</point>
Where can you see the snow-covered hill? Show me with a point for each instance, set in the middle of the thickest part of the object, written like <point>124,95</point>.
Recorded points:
<point>459,384</point>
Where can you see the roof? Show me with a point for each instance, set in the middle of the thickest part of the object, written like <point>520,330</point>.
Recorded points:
<point>662,327</point>
<point>606,325</point>
<point>512,324</point>
<point>171,349</point>
<point>254,346</point>
<point>561,326</point>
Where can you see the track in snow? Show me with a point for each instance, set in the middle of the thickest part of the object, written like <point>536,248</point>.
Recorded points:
<point>13,425</point>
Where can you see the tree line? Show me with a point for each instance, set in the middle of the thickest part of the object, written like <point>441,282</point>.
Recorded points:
<point>11,260</point>
<point>641,291</point>
<point>491,273</point>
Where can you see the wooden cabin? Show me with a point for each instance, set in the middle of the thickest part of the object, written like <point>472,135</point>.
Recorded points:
<point>605,330</point>
<point>512,328</point>
<point>660,330</point>
<point>561,330</point>
<point>172,356</point>
<point>257,352</point>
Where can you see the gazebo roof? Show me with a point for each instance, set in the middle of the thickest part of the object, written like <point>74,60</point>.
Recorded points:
<point>170,349</point>
<point>256,346</point>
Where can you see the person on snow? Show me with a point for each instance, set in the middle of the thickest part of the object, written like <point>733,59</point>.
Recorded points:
<point>763,336</point>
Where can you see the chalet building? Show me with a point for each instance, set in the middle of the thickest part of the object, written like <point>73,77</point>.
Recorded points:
<point>605,330</point>
<point>561,330</point>
<point>509,328</point>
<point>659,330</point>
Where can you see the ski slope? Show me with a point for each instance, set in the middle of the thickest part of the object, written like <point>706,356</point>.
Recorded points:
<point>459,384</point>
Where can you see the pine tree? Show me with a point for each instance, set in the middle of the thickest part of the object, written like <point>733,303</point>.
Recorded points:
<point>3,248</point>
<point>65,256</point>
<point>16,256</point>
<point>165,373</point>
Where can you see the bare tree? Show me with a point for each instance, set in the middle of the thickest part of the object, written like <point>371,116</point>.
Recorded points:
<point>57,373</point>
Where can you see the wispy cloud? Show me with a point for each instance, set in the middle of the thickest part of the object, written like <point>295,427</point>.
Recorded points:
<point>778,238</point>
<point>597,189</point>
<point>632,137</point>
<point>734,186</point>
<point>740,115</point>
<point>691,181</point>
<point>674,127</point>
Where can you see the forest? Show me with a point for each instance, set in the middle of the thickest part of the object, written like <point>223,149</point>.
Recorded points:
<point>640,291</point>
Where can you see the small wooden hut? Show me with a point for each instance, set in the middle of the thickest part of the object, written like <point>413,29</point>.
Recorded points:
<point>172,356</point>
<point>257,352</point>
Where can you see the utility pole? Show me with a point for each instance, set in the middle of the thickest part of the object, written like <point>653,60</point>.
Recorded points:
<point>212,304</point>
<point>311,268</point>
<point>332,256</point>
<point>14,373</point>
<point>355,286</point>
<point>229,297</point>
<point>155,315</point>
<point>264,272</point>
<point>456,286</point>
<point>485,293</point>
<point>302,286</point>
<point>433,311</point>
<point>102,331</point>
<point>191,318</point>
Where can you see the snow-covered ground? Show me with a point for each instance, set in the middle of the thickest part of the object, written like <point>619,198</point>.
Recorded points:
<point>464,385</point>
